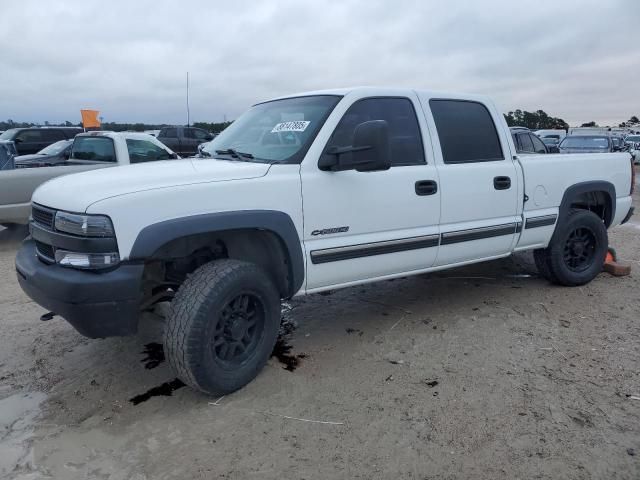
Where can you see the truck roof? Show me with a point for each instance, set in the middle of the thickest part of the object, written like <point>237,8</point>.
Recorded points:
<point>388,91</point>
<point>110,134</point>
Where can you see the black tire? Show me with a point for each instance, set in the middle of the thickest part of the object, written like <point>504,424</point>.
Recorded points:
<point>577,250</point>
<point>209,342</point>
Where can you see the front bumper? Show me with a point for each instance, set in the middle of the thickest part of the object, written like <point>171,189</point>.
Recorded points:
<point>98,305</point>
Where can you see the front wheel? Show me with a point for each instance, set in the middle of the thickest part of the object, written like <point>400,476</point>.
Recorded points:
<point>577,250</point>
<point>222,326</point>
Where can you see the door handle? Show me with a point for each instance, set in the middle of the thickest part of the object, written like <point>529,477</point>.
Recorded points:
<point>502,183</point>
<point>426,187</point>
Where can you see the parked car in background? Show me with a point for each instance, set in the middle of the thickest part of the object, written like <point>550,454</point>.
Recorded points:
<point>526,142</point>
<point>586,144</point>
<point>7,155</point>
<point>184,140</point>
<point>551,144</point>
<point>633,144</point>
<point>89,151</point>
<point>33,139</point>
<point>54,154</point>
<point>551,133</point>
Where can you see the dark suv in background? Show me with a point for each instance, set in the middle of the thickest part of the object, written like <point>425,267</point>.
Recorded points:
<point>33,139</point>
<point>184,140</point>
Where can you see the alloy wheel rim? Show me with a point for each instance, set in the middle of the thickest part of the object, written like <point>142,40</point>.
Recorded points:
<point>238,329</point>
<point>580,249</point>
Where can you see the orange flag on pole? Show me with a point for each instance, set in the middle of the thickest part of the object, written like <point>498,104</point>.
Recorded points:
<point>90,118</point>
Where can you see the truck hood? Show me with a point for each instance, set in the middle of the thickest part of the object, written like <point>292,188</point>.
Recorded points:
<point>77,192</point>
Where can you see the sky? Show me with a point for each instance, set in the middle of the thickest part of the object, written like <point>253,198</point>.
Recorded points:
<point>578,60</point>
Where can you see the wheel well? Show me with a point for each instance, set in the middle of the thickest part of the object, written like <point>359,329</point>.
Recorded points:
<point>598,202</point>
<point>170,264</point>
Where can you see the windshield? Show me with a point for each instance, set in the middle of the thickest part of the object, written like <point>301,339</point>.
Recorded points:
<point>8,135</point>
<point>55,148</point>
<point>585,142</point>
<point>99,149</point>
<point>632,138</point>
<point>280,131</point>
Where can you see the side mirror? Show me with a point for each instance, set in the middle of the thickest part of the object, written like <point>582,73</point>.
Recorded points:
<point>369,152</point>
<point>173,156</point>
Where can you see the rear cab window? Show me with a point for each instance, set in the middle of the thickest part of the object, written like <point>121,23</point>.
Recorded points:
<point>94,149</point>
<point>466,131</point>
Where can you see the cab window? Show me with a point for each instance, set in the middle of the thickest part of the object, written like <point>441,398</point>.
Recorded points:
<point>145,151</point>
<point>405,140</point>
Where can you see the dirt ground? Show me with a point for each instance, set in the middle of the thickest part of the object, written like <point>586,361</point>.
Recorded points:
<point>481,372</point>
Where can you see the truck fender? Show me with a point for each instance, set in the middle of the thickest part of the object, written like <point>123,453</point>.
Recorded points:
<point>154,236</point>
<point>576,190</point>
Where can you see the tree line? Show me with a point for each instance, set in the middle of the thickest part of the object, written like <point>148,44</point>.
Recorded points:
<point>537,120</point>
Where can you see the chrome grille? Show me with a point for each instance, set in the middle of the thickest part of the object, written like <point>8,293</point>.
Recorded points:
<point>43,216</point>
<point>45,252</point>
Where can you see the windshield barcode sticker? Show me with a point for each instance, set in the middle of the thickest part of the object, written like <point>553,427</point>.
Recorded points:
<point>299,126</point>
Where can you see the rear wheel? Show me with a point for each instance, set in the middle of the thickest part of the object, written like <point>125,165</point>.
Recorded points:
<point>222,326</point>
<point>577,250</point>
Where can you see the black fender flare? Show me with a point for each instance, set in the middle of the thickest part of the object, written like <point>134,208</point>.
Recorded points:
<point>154,236</point>
<point>592,186</point>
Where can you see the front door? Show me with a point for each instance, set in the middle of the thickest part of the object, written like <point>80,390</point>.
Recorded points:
<point>365,225</point>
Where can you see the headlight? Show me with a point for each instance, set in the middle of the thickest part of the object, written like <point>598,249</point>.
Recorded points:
<point>84,225</point>
<point>90,261</point>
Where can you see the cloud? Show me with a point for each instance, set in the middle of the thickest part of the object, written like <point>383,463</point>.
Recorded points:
<point>129,59</point>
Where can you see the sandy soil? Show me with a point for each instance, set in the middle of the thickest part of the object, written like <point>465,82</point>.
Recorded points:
<point>481,372</point>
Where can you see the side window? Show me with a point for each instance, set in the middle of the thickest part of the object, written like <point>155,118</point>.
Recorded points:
<point>145,151</point>
<point>405,140</point>
<point>169,133</point>
<point>538,145</point>
<point>200,134</point>
<point>516,142</point>
<point>189,133</point>
<point>466,131</point>
<point>30,136</point>
<point>526,143</point>
<point>52,135</point>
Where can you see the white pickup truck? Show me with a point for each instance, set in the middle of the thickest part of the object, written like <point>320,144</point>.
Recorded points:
<point>90,151</point>
<point>306,193</point>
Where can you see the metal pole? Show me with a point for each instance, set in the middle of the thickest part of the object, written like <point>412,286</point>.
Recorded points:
<point>188,115</point>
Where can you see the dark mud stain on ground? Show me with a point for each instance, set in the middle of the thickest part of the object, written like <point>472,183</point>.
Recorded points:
<point>282,349</point>
<point>154,355</point>
<point>166,390</point>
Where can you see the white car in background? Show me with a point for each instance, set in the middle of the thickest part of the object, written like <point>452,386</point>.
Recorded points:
<point>90,151</point>
<point>633,141</point>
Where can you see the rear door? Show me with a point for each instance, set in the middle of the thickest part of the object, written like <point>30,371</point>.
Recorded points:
<point>364,225</point>
<point>30,141</point>
<point>478,177</point>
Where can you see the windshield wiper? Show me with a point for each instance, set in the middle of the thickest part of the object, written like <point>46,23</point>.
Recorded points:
<point>234,153</point>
